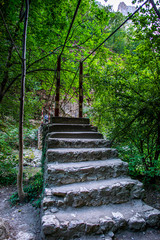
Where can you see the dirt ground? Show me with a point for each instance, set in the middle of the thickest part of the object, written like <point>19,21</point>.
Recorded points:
<point>24,220</point>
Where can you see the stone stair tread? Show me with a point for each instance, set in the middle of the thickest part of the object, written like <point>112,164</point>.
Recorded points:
<point>80,154</point>
<point>67,173</point>
<point>69,120</point>
<point>74,150</point>
<point>71,222</point>
<point>60,127</point>
<point>89,132</point>
<point>79,143</point>
<point>93,214</point>
<point>90,185</point>
<point>69,124</point>
<point>77,135</point>
<point>77,140</point>
<point>90,164</point>
<point>80,132</point>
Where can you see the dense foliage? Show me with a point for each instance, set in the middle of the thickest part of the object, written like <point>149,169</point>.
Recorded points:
<point>9,150</point>
<point>121,80</point>
<point>127,97</point>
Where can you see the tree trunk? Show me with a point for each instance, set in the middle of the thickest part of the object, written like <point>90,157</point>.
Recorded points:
<point>21,193</point>
<point>157,152</point>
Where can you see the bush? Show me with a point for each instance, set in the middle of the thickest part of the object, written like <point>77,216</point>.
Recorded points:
<point>30,137</point>
<point>33,190</point>
<point>136,165</point>
<point>8,171</point>
<point>9,142</point>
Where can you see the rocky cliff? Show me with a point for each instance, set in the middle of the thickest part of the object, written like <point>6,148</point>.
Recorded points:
<point>124,9</point>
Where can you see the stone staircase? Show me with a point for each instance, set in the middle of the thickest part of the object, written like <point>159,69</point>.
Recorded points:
<point>87,193</point>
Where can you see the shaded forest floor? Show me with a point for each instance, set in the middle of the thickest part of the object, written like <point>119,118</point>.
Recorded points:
<point>24,220</point>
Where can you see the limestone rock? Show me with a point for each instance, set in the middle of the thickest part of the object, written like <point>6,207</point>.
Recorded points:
<point>111,234</point>
<point>50,224</point>
<point>108,238</point>
<point>124,9</point>
<point>119,220</point>
<point>106,223</point>
<point>24,235</point>
<point>137,223</point>
<point>153,218</point>
<point>4,229</point>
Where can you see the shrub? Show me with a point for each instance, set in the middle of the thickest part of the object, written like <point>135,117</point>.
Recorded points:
<point>136,166</point>
<point>33,190</point>
<point>8,144</point>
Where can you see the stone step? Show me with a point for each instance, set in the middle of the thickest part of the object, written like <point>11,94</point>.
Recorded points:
<point>80,154</point>
<point>67,173</point>
<point>69,120</point>
<point>93,193</point>
<point>61,127</point>
<point>79,135</point>
<point>74,223</point>
<point>77,143</point>
<point>97,237</point>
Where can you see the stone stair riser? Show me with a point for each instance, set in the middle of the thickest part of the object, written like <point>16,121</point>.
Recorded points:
<point>75,143</point>
<point>67,176</point>
<point>71,128</point>
<point>63,120</point>
<point>76,135</point>
<point>114,194</point>
<point>79,156</point>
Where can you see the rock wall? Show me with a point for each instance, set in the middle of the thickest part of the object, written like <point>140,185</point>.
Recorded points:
<point>124,9</point>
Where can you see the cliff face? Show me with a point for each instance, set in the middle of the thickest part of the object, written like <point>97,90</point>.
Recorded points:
<point>124,9</point>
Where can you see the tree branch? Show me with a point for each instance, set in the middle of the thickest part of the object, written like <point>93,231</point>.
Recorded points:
<point>155,8</point>
<point>43,57</point>
<point>9,34</point>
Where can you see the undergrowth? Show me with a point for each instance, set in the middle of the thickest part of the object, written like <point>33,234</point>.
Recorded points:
<point>34,187</point>
<point>9,144</point>
<point>137,167</point>
<point>33,191</point>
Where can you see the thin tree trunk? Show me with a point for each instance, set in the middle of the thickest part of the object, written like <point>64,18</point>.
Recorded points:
<point>157,152</point>
<point>21,193</point>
